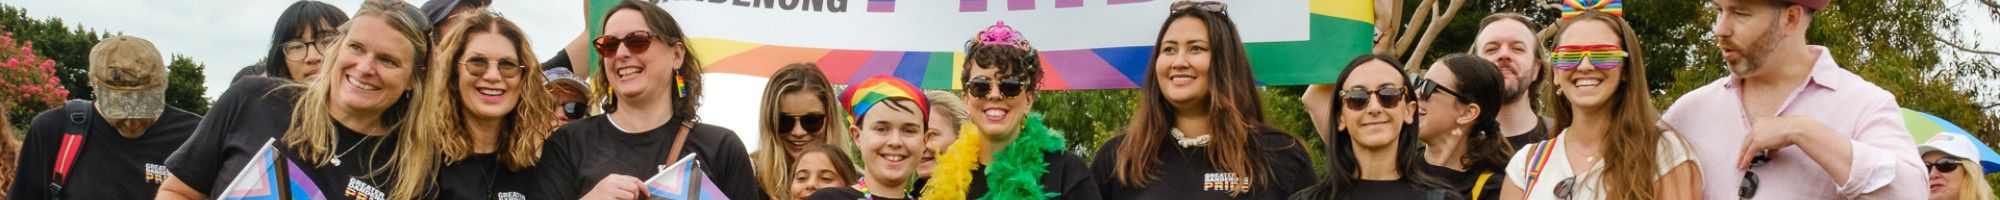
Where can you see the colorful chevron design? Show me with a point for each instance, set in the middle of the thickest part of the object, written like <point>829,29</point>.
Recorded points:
<point>1341,29</point>
<point>1571,8</point>
<point>684,180</point>
<point>262,179</point>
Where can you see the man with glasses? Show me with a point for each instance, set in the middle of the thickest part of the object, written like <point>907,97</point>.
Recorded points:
<point>1788,122</point>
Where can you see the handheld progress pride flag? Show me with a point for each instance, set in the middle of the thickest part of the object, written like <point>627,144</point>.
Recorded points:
<point>684,180</point>
<point>269,175</point>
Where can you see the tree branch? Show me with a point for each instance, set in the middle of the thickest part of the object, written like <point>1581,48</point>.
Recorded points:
<point>1437,24</point>
<point>1962,47</point>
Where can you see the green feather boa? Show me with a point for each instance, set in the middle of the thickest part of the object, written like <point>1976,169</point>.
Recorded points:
<point>1016,171</point>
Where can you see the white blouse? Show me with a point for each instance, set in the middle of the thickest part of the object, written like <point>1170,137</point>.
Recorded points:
<point>1589,184</point>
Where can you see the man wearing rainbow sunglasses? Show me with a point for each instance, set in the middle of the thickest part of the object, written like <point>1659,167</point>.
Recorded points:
<point>1789,119</point>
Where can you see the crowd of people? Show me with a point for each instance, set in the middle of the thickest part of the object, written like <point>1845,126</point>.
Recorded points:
<point>444,101</point>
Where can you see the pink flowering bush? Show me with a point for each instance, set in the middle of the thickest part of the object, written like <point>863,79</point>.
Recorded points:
<point>28,83</point>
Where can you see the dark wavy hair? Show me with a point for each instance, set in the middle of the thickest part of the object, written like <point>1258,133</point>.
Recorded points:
<point>665,28</point>
<point>1480,83</point>
<point>1342,170</point>
<point>302,16</point>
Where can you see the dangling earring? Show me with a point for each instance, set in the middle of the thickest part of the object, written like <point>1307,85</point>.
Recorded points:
<point>681,85</point>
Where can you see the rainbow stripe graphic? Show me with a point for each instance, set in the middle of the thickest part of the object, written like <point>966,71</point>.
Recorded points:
<point>1571,8</point>
<point>1340,30</point>
<point>263,178</point>
<point>861,96</point>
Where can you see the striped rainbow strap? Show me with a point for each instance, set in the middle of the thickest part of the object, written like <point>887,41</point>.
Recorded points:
<point>1571,8</point>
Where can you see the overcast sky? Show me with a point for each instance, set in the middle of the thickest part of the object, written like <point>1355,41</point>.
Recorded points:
<point>227,35</point>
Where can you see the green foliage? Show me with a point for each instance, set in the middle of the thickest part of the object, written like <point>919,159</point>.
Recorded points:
<point>184,89</point>
<point>69,48</point>
<point>1087,117</point>
<point>1283,110</point>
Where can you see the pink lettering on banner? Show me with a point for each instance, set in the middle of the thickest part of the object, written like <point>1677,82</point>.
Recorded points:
<point>1020,4</point>
<point>881,5</point>
<point>971,5</point>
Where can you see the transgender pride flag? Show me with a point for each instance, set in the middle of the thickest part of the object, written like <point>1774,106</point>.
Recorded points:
<point>270,176</point>
<point>684,180</point>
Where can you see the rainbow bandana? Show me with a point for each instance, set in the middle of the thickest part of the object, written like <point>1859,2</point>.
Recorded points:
<point>1571,8</point>
<point>859,97</point>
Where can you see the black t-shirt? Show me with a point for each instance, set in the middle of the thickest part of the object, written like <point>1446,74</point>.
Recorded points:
<point>1396,189</point>
<point>1463,182</point>
<point>108,165</point>
<point>481,176</point>
<point>362,172</point>
<point>257,110</point>
<point>846,193</point>
<point>580,154</point>
<point>1539,134</point>
<point>252,111</point>
<point>1068,176</point>
<point>1183,173</point>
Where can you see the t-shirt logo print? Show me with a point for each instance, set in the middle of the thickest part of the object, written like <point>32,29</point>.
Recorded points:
<point>155,173</point>
<point>510,196</point>
<point>362,191</point>
<point>1226,182</point>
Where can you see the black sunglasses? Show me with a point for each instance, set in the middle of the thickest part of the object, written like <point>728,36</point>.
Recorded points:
<point>812,123</point>
<point>1566,188</point>
<point>1357,99</point>
<point>1009,87</point>
<point>1427,86</point>
<point>1748,188</point>
<point>574,110</point>
<point>1943,165</point>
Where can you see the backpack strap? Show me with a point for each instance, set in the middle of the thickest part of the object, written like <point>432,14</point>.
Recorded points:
<point>1540,157</point>
<point>674,154</point>
<point>72,142</point>
<point>1481,185</point>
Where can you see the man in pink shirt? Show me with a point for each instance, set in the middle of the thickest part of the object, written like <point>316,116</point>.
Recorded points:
<point>1789,123</point>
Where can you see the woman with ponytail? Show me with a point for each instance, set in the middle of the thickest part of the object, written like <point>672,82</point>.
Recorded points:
<point>1458,99</point>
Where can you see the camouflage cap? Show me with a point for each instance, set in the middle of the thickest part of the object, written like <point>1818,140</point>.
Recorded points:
<point>128,78</point>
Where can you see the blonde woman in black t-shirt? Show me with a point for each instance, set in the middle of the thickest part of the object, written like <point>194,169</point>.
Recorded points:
<point>489,108</point>
<point>345,130</point>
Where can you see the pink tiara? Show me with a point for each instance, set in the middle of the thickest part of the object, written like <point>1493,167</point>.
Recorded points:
<point>1000,34</point>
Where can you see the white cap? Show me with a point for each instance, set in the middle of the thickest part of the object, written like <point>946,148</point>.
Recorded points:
<point>1953,144</point>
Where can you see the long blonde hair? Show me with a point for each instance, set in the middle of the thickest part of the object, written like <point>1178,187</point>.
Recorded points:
<point>1629,156</point>
<point>1975,186</point>
<point>523,129</point>
<point>312,131</point>
<point>773,163</point>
